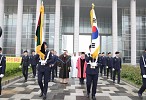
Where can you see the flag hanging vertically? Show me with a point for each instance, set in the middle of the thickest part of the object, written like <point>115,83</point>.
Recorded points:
<point>39,33</point>
<point>95,46</point>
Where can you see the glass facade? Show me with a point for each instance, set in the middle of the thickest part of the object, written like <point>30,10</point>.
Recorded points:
<point>104,20</point>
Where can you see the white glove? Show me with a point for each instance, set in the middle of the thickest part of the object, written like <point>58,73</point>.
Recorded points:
<point>113,69</point>
<point>1,75</point>
<point>0,66</point>
<point>43,62</point>
<point>144,76</point>
<point>28,66</point>
<point>20,66</point>
<point>106,66</point>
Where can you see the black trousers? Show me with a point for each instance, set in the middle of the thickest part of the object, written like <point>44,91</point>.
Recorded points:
<point>34,70</point>
<point>0,86</point>
<point>143,87</point>
<point>25,72</point>
<point>82,80</point>
<point>55,69</point>
<point>51,76</point>
<point>116,71</point>
<point>109,70</point>
<point>43,72</point>
<point>103,68</point>
<point>91,79</point>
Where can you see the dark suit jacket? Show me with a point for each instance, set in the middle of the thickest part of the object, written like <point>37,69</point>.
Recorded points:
<point>3,64</point>
<point>90,70</point>
<point>142,67</point>
<point>110,62</point>
<point>25,61</point>
<point>34,60</point>
<point>117,63</point>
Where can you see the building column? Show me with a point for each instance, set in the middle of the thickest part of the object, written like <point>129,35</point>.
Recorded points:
<point>19,27</point>
<point>2,20</point>
<point>57,26</point>
<point>114,26</point>
<point>76,26</point>
<point>133,32</point>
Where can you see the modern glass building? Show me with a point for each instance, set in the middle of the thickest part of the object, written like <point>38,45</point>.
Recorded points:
<point>121,23</point>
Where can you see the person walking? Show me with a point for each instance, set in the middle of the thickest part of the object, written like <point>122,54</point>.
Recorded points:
<point>2,68</point>
<point>81,67</point>
<point>143,73</point>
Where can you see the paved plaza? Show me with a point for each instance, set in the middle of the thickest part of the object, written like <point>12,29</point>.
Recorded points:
<point>106,90</point>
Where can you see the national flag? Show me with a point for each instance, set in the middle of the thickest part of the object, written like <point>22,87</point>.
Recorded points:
<point>39,33</point>
<point>95,46</point>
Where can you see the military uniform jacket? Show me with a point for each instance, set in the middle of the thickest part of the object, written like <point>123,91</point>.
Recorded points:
<point>117,63</point>
<point>34,60</point>
<point>90,70</point>
<point>25,61</point>
<point>142,64</point>
<point>110,62</point>
<point>2,64</point>
<point>99,61</point>
<point>103,60</point>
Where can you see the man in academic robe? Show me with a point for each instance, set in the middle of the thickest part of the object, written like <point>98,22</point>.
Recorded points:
<point>64,64</point>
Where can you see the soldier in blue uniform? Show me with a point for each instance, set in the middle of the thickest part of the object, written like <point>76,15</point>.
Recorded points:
<point>143,73</point>
<point>2,67</point>
<point>24,64</point>
<point>33,62</point>
<point>116,67</point>
<point>52,68</point>
<point>103,62</point>
<point>56,63</point>
<point>91,76</point>
<point>109,65</point>
<point>43,71</point>
<point>99,62</point>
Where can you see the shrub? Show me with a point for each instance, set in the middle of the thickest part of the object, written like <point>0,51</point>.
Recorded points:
<point>132,74</point>
<point>12,68</point>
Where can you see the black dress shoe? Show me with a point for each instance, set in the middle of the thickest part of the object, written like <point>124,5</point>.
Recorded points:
<point>41,94</point>
<point>44,97</point>
<point>139,95</point>
<point>93,98</point>
<point>87,96</point>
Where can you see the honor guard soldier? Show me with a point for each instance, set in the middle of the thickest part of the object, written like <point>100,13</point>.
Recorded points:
<point>2,67</point>
<point>24,64</point>
<point>99,62</point>
<point>109,65</point>
<point>52,68</point>
<point>91,75</point>
<point>33,62</point>
<point>43,70</point>
<point>103,62</point>
<point>116,67</point>
<point>143,73</point>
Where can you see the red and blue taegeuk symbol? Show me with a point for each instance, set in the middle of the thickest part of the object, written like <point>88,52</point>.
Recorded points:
<point>94,32</point>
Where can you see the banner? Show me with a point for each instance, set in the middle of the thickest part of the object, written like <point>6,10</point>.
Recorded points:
<point>13,59</point>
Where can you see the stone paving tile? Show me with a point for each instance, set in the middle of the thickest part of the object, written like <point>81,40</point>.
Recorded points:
<point>106,90</point>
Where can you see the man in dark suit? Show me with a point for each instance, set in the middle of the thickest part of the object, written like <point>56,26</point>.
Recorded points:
<point>100,63</point>
<point>52,67</point>
<point>56,63</point>
<point>43,70</point>
<point>103,62</point>
<point>2,67</point>
<point>109,65</point>
<point>143,73</point>
<point>116,67</point>
<point>33,63</point>
<point>91,75</point>
<point>25,63</point>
